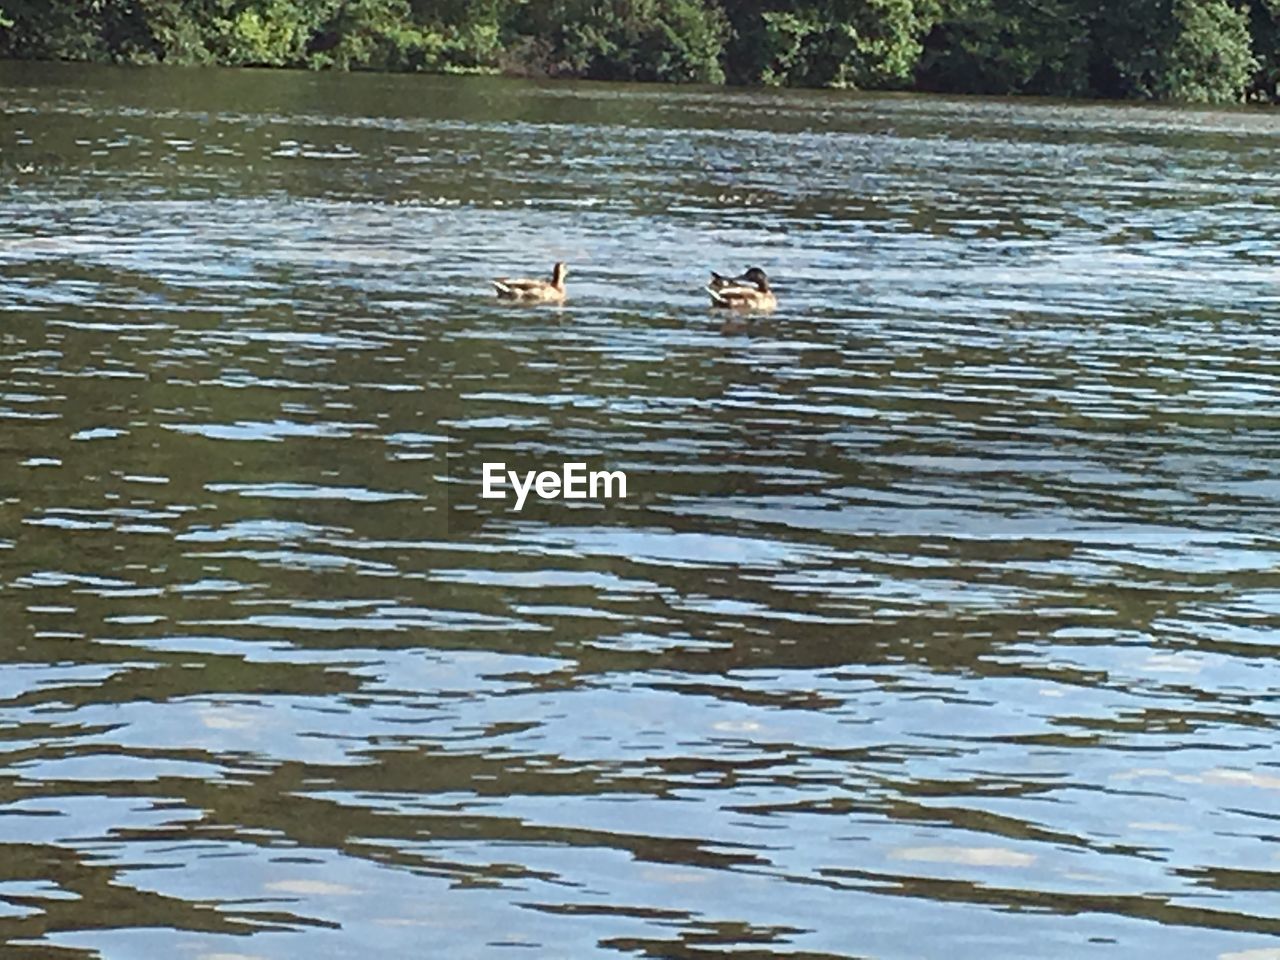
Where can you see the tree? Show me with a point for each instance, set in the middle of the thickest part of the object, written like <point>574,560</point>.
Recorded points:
<point>678,41</point>
<point>52,30</point>
<point>1198,50</point>
<point>1264,26</point>
<point>844,43</point>
<point>1210,59</point>
<point>1009,46</point>
<point>1194,50</point>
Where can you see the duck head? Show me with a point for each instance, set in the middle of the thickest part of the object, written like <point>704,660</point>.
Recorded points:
<point>756,275</point>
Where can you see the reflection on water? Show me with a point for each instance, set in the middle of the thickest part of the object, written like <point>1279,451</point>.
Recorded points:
<point>939,619</point>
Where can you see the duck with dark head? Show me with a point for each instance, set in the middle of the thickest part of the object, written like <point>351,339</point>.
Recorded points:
<point>748,291</point>
<point>533,291</point>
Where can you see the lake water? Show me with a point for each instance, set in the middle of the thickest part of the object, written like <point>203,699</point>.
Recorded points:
<point>940,618</point>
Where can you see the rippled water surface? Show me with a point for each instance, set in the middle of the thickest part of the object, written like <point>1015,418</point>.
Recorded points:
<point>939,620</point>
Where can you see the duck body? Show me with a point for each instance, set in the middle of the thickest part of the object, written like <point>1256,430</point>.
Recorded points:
<point>750,291</point>
<point>719,281</point>
<point>533,291</point>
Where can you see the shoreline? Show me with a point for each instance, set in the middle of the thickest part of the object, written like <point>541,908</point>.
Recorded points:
<point>733,90</point>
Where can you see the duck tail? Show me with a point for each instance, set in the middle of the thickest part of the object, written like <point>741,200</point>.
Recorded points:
<point>501,286</point>
<point>716,296</point>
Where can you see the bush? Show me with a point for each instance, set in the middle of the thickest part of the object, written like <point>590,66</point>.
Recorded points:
<point>1264,25</point>
<point>1194,50</point>
<point>1009,46</point>
<point>1200,50</point>
<point>268,35</point>
<point>680,41</point>
<point>52,30</point>
<point>844,43</point>
<point>1210,59</point>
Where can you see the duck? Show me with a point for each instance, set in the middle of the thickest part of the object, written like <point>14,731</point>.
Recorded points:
<point>750,291</point>
<point>534,291</point>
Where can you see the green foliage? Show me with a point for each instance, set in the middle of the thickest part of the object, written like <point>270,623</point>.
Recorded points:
<point>271,34</point>
<point>1264,26</point>
<point>845,43</point>
<point>1196,50</point>
<point>366,34</point>
<point>1210,59</point>
<point>52,30</point>
<point>1009,46</point>
<point>680,41</point>
<point>463,35</point>
<point>181,32</point>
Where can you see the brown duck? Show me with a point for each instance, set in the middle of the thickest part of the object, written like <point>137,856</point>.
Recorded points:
<point>750,291</point>
<point>533,291</point>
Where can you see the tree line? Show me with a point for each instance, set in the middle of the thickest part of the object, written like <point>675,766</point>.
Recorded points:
<point>1192,50</point>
